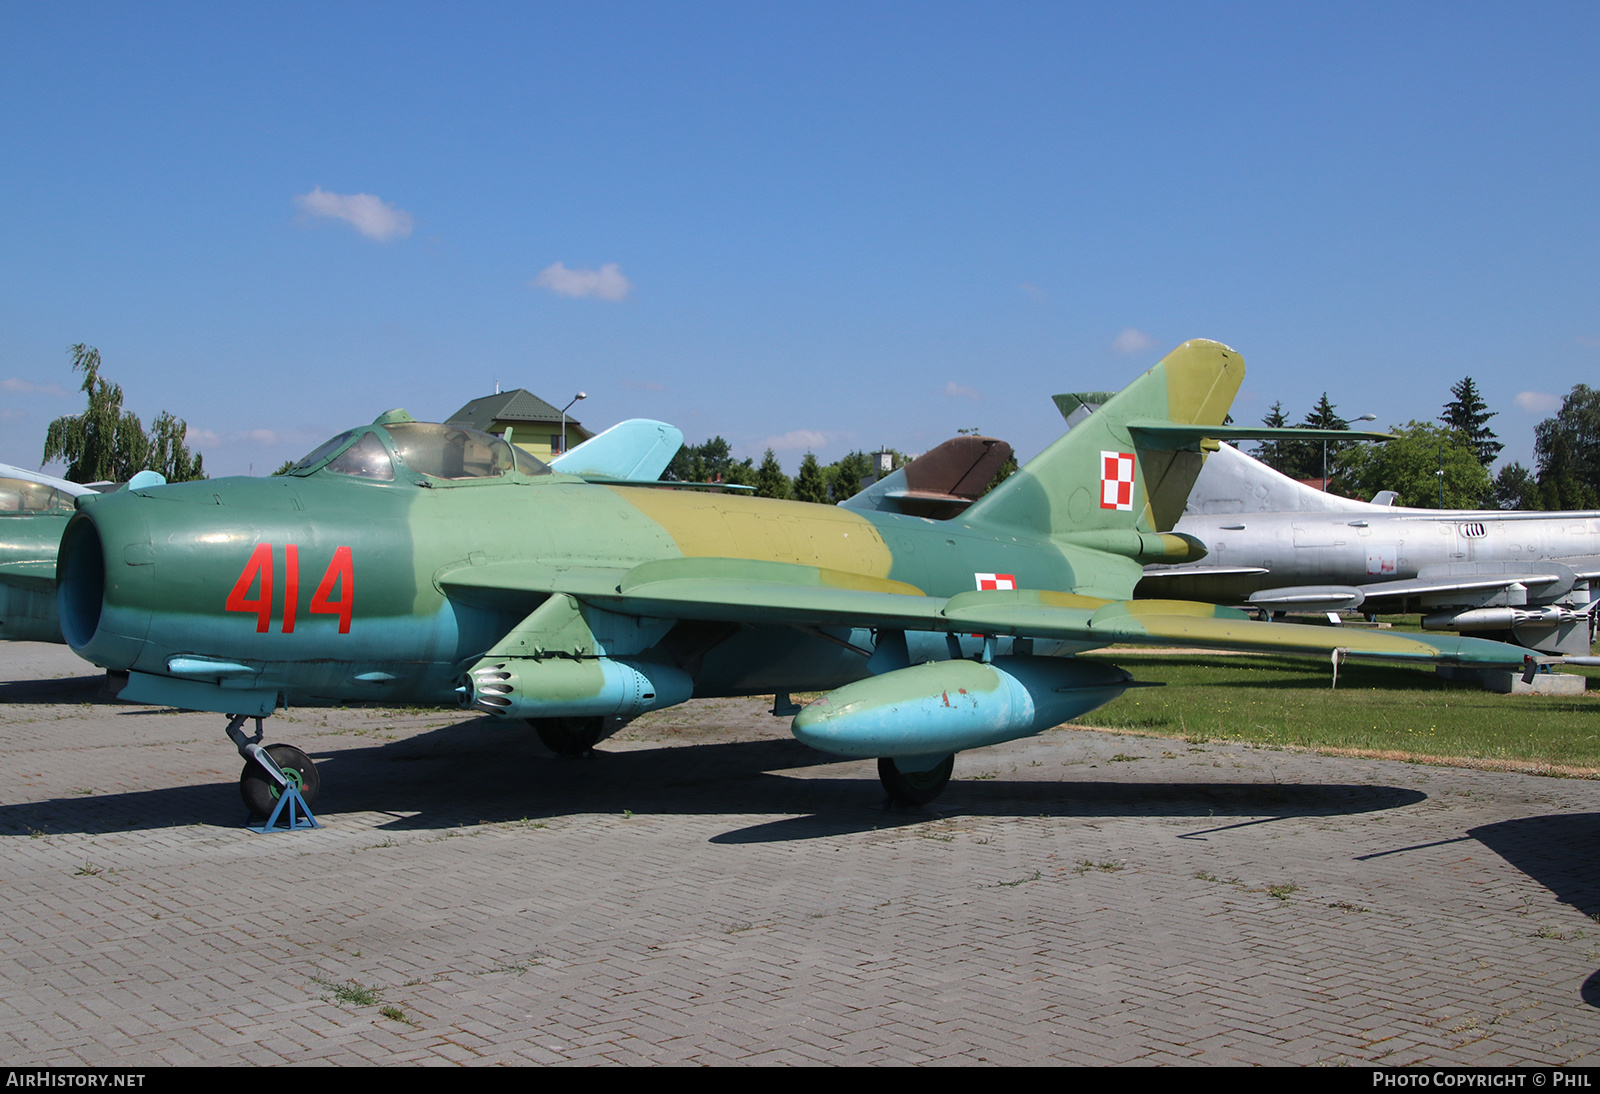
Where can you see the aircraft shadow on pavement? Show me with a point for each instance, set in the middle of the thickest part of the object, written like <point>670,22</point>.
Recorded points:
<point>66,689</point>
<point>473,772</point>
<point>1560,852</point>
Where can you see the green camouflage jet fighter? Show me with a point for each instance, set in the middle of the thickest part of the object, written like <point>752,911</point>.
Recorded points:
<point>405,562</point>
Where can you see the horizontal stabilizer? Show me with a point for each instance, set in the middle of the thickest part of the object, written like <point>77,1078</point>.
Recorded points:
<point>1162,435</point>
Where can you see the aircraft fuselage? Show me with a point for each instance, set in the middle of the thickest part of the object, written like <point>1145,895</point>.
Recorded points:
<point>328,587</point>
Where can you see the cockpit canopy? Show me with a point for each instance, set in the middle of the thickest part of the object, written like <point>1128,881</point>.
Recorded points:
<point>22,496</point>
<point>444,453</point>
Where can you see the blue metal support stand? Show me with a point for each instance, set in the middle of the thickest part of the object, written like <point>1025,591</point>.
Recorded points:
<point>298,816</point>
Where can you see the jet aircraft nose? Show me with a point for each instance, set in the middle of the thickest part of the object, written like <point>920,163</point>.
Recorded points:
<point>105,581</point>
<point>141,571</point>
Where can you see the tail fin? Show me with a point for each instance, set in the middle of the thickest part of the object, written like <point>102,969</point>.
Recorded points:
<point>1234,482</point>
<point>1128,467</point>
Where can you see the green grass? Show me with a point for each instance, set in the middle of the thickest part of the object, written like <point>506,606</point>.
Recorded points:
<point>1377,708</point>
<point>349,992</point>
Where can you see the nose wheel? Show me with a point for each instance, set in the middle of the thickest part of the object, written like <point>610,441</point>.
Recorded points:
<point>272,771</point>
<point>261,792</point>
<point>915,788</point>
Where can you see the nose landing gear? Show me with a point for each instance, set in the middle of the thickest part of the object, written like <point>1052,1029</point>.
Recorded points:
<point>272,773</point>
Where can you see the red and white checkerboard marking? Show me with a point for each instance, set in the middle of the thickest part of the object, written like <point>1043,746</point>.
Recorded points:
<point>996,581</point>
<point>1116,480</point>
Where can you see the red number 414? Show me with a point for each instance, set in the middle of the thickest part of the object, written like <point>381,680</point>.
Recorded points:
<point>257,574</point>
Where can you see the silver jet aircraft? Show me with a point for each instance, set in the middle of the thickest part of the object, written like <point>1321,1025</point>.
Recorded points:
<point>1280,546</point>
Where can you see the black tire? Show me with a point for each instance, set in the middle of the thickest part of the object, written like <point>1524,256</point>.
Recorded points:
<point>915,787</point>
<point>569,737</point>
<point>261,791</point>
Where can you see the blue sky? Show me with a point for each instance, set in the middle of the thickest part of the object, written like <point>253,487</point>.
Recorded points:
<point>807,226</point>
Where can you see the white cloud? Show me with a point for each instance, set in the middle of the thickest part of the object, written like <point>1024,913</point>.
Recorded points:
<point>1537,401</point>
<point>9,415</point>
<point>212,439</point>
<point>1034,292</point>
<point>1587,340</point>
<point>366,213</point>
<point>958,391</point>
<point>26,387</point>
<point>608,282</point>
<point>795,440</point>
<point>1132,340</point>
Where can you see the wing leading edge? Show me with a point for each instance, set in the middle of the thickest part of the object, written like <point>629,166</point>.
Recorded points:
<point>777,593</point>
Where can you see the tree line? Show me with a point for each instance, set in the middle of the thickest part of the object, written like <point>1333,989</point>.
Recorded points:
<point>1447,464</point>
<point>824,484</point>
<point>1429,464</point>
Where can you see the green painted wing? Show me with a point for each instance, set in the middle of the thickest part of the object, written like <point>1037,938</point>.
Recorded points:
<point>778,593</point>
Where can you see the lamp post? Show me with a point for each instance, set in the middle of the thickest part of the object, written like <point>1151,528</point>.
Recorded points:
<point>1440,473</point>
<point>575,398</point>
<point>1362,418</point>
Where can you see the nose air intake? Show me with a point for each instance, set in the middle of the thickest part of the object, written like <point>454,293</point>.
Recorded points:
<point>104,588</point>
<point>80,583</point>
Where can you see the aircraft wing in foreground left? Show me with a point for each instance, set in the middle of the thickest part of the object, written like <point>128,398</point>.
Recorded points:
<point>428,564</point>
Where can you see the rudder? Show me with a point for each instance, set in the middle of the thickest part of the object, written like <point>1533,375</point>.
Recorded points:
<point>1105,477</point>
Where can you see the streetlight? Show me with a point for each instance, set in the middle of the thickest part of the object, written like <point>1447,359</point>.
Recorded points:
<point>1440,473</point>
<point>575,398</point>
<point>1363,418</point>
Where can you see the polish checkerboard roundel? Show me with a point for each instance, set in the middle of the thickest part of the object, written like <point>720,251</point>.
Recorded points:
<point>995,581</point>
<point>1116,480</point>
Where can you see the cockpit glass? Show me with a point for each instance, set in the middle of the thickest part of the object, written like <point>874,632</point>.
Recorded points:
<point>22,496</point>
<point>444,452</point>
<point>366,459</point>
<point>450,452</point>
<point>321,452</point>
<point>527,464</point>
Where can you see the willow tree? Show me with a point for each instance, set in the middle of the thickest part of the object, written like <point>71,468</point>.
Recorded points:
<point>107,443</point>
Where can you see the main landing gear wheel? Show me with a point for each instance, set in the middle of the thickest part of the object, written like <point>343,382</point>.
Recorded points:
<point>915,787</point>
<point>261,791</point>
<point>570,737</point>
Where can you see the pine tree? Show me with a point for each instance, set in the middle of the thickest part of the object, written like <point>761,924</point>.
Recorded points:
<point>771,482</point>
<point>1322,459</point>
<point>1468,413</point>
<point>1271,452</point>
<point>809,484</point>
